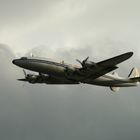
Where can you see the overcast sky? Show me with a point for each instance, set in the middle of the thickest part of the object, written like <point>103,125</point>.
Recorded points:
<point>68,29</point>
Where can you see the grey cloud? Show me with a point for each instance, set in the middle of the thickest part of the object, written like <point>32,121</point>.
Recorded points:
<point>67,22</point>
<point>16,12</point>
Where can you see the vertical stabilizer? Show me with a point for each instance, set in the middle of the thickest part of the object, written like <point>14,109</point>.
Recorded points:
<point>134,73</point>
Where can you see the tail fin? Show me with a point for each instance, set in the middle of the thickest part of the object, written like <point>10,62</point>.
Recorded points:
<point>134,73</point>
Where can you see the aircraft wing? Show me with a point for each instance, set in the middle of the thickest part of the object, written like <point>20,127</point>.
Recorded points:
<point>115,60</point>
<point>106,66</point>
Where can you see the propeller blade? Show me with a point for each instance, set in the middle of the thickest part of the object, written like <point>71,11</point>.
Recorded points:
<point>83,62</point>
<point>24,73</point>
<point>40,74</point>
<point>25,80</point>
<point>86,59</point>
<point>79,61</point>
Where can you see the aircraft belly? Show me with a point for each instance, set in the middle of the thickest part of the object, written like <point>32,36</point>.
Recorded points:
<point>126,85</point>
<point>100,83</point>
<point>58,80</point>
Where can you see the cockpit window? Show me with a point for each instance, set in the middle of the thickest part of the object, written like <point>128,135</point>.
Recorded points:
<point>23,58</point>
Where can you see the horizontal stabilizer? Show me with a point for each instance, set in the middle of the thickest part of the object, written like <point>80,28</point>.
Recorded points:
<point>135,79</point>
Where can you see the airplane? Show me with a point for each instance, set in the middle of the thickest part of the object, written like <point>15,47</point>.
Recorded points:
<point>53,72</point>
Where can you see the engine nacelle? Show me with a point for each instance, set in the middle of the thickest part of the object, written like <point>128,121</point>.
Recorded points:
<point>90,64</point>
<point>69,71</point>
<point>32,79</point>
<point>36,78</point>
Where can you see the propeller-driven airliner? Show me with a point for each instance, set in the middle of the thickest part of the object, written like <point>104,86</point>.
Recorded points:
<point>52,72</point>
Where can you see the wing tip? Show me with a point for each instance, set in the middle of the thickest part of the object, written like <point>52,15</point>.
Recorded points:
<point>130,53</point>
<point>127,55</point>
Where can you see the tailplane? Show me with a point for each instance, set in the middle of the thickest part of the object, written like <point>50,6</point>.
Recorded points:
<point>134,77</point>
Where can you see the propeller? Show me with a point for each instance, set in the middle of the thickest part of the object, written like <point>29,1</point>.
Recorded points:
<point>83,62</point>
<point>24,72</point>
<point>26,76</point>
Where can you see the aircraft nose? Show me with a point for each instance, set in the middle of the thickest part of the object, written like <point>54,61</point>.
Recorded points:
<point>20,63</point>
<point>13,61</point>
